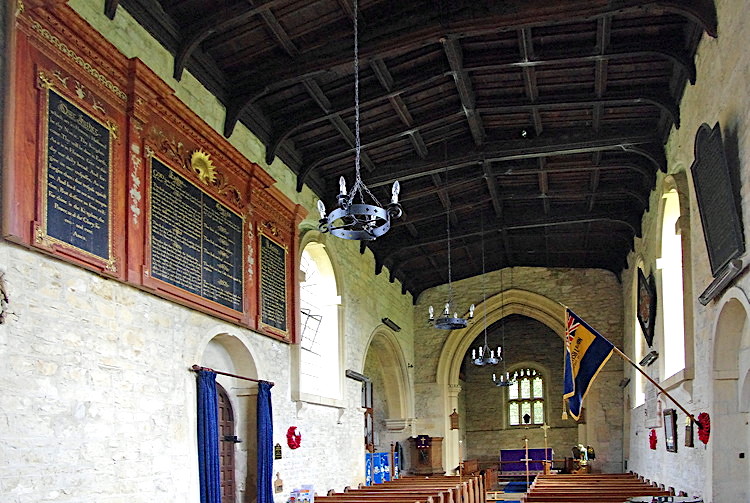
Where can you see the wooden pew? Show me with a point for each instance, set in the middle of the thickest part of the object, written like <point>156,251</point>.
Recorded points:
<point>589,488</point>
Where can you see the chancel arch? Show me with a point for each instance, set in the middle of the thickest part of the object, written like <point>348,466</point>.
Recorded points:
<point>545,311</point>
<point>228,353</point>
<point>386,367</point>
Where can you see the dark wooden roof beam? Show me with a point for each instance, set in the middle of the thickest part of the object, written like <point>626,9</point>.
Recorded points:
<point>221,20</point>
<point>419,145</point>
<point>395,36</point>
<point>341,153</point>
<point>381,72</point>
<point>544,184</point>
<point>453,52</point>
<point>344,131</point>
<point>110,8</point>
<point>346,106</point>
<point>630,222</point>
<point>491,181</point>
<point>278,32</point>
<point>544,146</point>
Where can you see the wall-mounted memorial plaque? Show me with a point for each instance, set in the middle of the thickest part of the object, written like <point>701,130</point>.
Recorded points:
<point>196,241</point>
<point>272,284</point>
<point>717,195</point>
<point>76,195</point>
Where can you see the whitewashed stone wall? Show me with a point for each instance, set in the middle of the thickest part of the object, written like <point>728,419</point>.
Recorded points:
<point>97,402</point>
<point>720,94</point>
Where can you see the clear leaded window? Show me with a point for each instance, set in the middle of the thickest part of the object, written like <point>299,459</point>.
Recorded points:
<point>526,396</point>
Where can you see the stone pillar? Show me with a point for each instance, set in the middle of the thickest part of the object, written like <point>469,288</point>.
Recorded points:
<point>451,437</point>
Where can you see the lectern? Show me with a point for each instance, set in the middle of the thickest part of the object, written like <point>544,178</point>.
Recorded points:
<point>426,455</point>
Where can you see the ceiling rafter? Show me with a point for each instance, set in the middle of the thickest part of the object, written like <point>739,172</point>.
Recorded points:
<point>452,48</point>
<point>425,28</point>
<point>571,143</point>
<point>398,88</point>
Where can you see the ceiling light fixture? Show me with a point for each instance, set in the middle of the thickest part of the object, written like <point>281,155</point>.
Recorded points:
<point>445,321</point>
<point>358,221</point>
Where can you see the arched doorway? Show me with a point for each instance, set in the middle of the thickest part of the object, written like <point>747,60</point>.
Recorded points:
<point>230,354</point>
<point>729,442</point>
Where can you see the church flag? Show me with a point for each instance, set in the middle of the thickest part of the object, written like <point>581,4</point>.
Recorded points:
<point>586,352</point>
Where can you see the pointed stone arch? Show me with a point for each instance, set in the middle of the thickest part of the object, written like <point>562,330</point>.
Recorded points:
<point>384,346</point>
<point>514,301</point>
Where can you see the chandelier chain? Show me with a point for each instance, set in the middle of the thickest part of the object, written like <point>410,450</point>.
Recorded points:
<point>448,232</point>
<point>359,186</point>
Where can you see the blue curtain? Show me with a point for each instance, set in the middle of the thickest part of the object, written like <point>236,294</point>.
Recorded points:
<point>265,444</point>
<point>208,438</point>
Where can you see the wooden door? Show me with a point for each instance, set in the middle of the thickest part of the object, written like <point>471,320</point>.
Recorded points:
<point>227,439</point>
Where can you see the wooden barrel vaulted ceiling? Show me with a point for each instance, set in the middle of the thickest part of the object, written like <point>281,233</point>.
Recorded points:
<point>548,118</point>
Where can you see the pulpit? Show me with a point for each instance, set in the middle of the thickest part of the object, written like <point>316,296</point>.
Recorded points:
<point>426,455</point>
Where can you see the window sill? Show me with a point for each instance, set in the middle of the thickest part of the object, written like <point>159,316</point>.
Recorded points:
<point>319,400</point>
<point>682,378</point>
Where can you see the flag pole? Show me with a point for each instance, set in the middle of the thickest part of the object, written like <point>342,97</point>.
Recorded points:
<point>639,369</point>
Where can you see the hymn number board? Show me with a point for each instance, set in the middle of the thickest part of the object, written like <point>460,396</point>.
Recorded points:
<point>196,241</point>
<point>77,180</point>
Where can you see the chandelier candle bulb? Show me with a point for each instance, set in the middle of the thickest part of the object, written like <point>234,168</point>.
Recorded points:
<point>395,192</point>
<point>342,186</point>
<point>471,311</point>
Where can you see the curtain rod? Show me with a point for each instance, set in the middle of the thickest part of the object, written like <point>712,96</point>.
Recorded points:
<point>198,368</point>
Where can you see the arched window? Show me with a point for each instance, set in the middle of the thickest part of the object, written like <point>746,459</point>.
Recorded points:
<point>670,264</point>
<point>526,396</point>
<point>320,369</point>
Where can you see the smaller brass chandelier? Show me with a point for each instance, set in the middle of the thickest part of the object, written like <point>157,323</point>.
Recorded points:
<point>358,221</point>
<point>446,321</point>
<point>505,379</point>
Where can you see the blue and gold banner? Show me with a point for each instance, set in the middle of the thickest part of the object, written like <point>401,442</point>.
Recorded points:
<point>586,352</point>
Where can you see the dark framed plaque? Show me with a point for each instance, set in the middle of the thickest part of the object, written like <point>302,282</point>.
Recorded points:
<point>76,180</point>
<point>196,241</point>
<point>670,429</point>
<point>717,192</point>
<point>646,306</point>
<point>273,280</point>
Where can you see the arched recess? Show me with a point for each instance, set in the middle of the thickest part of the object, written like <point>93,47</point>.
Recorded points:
<point>514,301</point>
<point>228,353</point>
<point>384,346</point>
<point>731,375</point>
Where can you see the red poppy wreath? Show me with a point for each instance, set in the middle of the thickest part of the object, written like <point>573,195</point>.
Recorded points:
<point>293,437</point>
<point>704,427</point>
